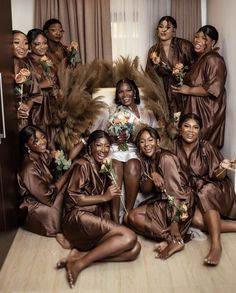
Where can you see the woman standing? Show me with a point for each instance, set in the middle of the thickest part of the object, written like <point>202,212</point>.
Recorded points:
<point>87,223</point>
<point>54,32</point>
<point>26,89</point>
<point>125,161</point>
<point>44,72</point>
<point>167,217</point>
<point>204,86</point>
<point>164,55</point>
<point>214,193</point>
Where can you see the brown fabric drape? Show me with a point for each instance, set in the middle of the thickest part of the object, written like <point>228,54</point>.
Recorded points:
<point>85,21</point>
<point>188,16</point>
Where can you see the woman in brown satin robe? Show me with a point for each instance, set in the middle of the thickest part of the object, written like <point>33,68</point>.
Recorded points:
<point>87,223</point>
<point>44,72</point>
<point>159,219</point>
<point>214,193</point>
<point>41,197</point>
<point>54,32</point>
<point>171,51</point>
<point>204,86</point>
<point>26,89</point>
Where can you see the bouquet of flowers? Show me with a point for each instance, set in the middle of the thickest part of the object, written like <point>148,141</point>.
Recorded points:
<point>181,213</point>
<point>159,65</point>
<point>21,78</point>
<point>47,65</point>
<point>73,57</point>
<point>122,121</point>
<point>178,73</point>
<point>60,164</point>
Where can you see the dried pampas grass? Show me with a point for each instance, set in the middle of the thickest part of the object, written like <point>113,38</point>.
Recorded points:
<point>76,111</point>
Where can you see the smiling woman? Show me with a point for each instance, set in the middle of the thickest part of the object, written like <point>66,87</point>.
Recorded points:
<point>205,168</point>
<point>125,118</point>
<point>45,82</point>
<point>41,196</point>
<point>204,86</point>
<point>87,222</point>
<point>167,216</point>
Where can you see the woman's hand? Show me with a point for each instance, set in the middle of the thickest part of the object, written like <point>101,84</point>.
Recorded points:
<point>122,138</point>
<point>23,111</point>
<point>47,83</point>
<point>184,89</point>
<point>158,180</point>
<point>228,164</point>
<point>112,192</point>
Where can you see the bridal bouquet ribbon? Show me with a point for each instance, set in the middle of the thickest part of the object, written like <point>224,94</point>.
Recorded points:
<point>122,121</point>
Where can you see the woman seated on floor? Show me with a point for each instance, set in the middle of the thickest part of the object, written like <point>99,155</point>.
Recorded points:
<point>214,193</point>
<point>87,223</point>
<point>167,217</point>
<point>41,195</point>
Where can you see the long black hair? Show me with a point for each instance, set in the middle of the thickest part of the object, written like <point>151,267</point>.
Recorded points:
<point>132,85</point>
<point>152,131</point>
<point>33,33</point>
<point>97,134</point>
<point>25,134</point>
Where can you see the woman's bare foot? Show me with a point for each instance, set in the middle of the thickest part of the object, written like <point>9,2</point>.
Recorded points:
<point>72,256</point>
<point>170,249</point>
<point>213,257</point>
<point>63,241</point>
<point>73,270</point>
<point>160,246</point>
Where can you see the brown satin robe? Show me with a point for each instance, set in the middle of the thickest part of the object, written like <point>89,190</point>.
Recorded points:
<point>181,51</point>
<point>210,192</point>
<point>209,71</point>
<point>41,113</point>
<point>84,226</point>
<point>41,203</point>
<point>31,92</point>
<point>57,55</point>
<point>159,213</point>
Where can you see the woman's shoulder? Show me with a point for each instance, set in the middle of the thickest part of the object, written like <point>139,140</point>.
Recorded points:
<point>183,42</point>
<point>214,56</point>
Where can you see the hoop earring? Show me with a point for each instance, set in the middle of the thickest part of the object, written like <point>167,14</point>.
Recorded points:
<point>89,151</point>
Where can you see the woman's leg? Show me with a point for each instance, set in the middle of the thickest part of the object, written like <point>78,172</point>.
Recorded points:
<point>118,169</point>
<point>135,219</point>
<point>226,226</point>
<point>212,222</point>
<point>120,244</point>
<point>132,174</point>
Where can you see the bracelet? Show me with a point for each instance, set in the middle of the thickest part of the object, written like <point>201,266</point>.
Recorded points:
<point>83,141</point>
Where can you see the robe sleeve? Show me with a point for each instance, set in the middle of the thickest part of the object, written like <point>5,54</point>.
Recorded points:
<point>215,75</point>
<point>35,183</point>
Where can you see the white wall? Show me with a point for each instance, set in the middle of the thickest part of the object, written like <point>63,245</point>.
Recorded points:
<point>221,14</point>
<point>22,15</point>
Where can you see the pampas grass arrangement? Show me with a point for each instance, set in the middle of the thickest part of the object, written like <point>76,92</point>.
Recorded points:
<point>76,111</point>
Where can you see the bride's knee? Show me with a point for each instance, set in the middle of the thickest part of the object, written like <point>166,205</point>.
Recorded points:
<point>198,222</point>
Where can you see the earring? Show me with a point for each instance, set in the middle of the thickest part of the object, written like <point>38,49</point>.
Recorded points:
<point>89,151</point>
<point>28,150</point>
